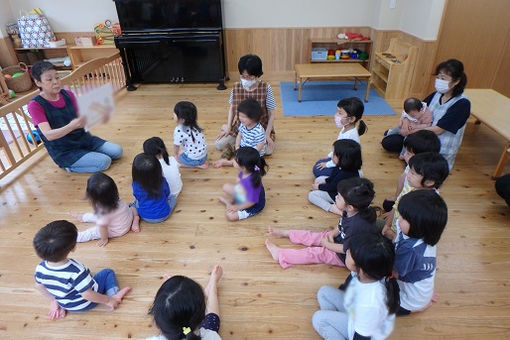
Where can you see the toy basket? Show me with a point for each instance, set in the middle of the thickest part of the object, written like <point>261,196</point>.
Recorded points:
<point>19,84</point>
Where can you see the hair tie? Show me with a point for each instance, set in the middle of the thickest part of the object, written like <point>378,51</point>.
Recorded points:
<point>186,330</point>
<point>256,168</point>
<point>390,276</point>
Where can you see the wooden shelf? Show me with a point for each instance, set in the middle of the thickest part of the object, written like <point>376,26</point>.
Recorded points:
<point>378,73</point>
<point>341,41</point>
<point>76,47</point>
<point>40,48</point>
<point>341,61</point>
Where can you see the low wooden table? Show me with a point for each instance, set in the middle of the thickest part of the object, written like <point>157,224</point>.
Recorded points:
<point>493,109</point>
<point>305,72</point>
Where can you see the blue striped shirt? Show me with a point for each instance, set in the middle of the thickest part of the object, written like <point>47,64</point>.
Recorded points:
<point>270,102</point>
<point>66,283</point>
<point>252,137</point>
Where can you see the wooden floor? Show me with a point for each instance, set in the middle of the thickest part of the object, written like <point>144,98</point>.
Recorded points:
<point>259,300</point>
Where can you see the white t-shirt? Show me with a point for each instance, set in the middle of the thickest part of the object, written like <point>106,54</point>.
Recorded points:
<point>194,150</point>
<point>368,312</point>
<point>205,334</point>
<point>172,175</point>
<point>349,134</point>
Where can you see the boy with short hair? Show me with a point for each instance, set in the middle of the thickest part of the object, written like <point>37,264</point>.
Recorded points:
<point>67,282</point>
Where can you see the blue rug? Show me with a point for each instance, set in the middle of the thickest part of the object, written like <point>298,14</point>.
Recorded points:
<point>321,97</point>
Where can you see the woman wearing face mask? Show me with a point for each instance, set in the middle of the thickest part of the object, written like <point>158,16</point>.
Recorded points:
<point>249,86</point>
<point>450,110</point>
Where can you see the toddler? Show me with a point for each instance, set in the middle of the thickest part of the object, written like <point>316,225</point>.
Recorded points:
<point>247,197</point>
<point>66,282</point>
<point>170,167</point>
<point>189,136</point>
<point>353,200</point>
<point>112,216</point>
<point>422,218</point>
<point>153,199</point>
<point>349,112</point>
<point>415,116</point>
<point>347,158</point>
<point>366,310</point>
<point>182,310</point>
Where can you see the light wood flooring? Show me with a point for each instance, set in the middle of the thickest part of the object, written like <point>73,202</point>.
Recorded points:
<point>259,300</point>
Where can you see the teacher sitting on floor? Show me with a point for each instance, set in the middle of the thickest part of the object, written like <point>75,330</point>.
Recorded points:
<point>54,114</point>
<point>450,110</point>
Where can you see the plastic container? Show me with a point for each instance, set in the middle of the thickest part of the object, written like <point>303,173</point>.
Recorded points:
<point>319,53</point>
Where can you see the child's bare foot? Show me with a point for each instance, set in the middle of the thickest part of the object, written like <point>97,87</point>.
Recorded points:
<point>203,166</point>
<point>121,293</point>
<point>276,232</point>
<point>224,200</point>
<point>273,249</point>
<point>76,215</point>
<point>221,162</point>
<point>435,297</point>
<point>135,226</point>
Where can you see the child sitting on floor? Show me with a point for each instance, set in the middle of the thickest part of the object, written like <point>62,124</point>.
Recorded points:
<point>247,197</point>
<point>112,216</point>
<point>422,218</point>
<point>353,199</point>
<point>156,147</point>
<point>347,157</point>
<point>250,133</point>
<point>154,201</point>
<point>66,282</point>
<point>189,136</point>
<point>349,112</point>
<point>182,310</point>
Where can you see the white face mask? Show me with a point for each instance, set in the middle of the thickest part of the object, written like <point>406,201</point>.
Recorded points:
<point>248,83</point>
<point>441,85</point>
<point>338,122</point>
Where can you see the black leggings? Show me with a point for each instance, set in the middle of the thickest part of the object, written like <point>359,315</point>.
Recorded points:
<point>393,143</point>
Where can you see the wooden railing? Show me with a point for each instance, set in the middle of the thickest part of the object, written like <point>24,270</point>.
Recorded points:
<point>17,142</point>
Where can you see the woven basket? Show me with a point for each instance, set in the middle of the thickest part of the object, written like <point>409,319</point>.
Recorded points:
<point>19,84</point>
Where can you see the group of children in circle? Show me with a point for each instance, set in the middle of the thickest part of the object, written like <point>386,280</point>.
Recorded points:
<point>391,258</point>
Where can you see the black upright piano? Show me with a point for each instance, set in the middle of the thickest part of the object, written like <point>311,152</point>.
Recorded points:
<point>171,41</point>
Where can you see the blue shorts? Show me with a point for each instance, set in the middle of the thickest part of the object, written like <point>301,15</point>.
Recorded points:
<point>254,209</point>
<point>184,159</point>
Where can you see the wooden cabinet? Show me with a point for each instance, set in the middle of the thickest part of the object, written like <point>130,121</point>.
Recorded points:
<point>392,71</point>
<point>81,54</point>
<point>31,55</point>
<point>336,44</point>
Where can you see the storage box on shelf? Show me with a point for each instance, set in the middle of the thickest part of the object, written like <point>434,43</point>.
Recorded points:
<point>392,71</point>
<point>319,51</point>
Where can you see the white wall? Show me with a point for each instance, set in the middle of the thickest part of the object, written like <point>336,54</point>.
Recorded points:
<point>421,18</point>
<point>70,15</point>
<point>5,16</point>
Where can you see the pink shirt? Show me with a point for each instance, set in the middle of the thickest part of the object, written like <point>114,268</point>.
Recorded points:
<point>117,221</point>
<point>37,111</point>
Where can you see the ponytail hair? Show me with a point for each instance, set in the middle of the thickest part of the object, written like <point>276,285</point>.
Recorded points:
<point>179,304</point>
<point>250,159</point>
<point>375,254</point>
<point>359,192</point>
<point>354,107</point>
<point>187,111</point>
<point>155,146</point>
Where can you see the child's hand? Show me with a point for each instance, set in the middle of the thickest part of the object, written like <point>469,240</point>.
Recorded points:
<point>102,242</point>
<point>321,165</point>
<point>269,142</point>
<point>56,312</point>
<point>113,302</point>
<point>325,241</point>
<point>331,237</point>
<point>315,186</point>
<point>388,216</point>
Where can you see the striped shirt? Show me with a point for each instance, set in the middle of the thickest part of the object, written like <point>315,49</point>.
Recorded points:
<point>270,102</point>
<point>252,137</point>
<point>66,283</point>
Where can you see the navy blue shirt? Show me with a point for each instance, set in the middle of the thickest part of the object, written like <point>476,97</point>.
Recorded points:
<point>349,226</point>
<point>332,181</point>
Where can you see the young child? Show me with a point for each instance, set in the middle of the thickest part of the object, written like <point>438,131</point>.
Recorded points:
<point>250,86</point>
<point>112,216</point>
<point>154,201</point>
<point>414,117</point>
<point>418,142</point>
<point>366,310</point>
<point>67,282</point>
<point>354,198</point>
<point>189,135</point>
<point>250,133</point>
<point>427,170</point>
<point>156,147</point>
<point>349,112</point>
<point>182,310</point>
<point>422,218</point>
<point>247,197</point>
<point>347,157</point>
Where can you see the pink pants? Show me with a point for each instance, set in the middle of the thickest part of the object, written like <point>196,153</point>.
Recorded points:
<point>309,255</point>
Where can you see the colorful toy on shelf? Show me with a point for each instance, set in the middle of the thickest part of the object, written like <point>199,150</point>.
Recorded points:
<point>17,74</point>
<point>105,32</point>
<point>12,94</point>
<point>331,55</point>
